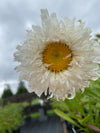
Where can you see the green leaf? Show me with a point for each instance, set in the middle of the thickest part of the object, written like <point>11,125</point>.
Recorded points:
<point>85,120</point>
<point>78,106</point>
<point>93,95</point>
<point>97,118</point>
<point>65,117</point>
<point>75,116</point>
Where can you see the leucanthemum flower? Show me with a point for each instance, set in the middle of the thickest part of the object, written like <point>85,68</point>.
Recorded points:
<point>59,55</point>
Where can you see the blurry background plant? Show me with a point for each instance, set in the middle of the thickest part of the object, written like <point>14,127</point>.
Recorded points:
<point>11,114</point>
<point>10,117</point>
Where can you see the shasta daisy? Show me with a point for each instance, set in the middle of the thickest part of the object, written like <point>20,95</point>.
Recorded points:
<point>60,55</point>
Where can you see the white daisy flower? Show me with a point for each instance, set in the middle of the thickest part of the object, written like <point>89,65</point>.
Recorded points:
<point>60,55</point>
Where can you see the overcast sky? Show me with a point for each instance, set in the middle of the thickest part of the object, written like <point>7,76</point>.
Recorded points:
<point>18,15</point>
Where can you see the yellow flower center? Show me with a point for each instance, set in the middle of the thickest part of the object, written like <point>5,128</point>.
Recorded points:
<point>56,56</point>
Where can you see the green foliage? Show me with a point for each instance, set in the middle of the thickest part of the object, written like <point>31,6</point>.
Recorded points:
<point>7,92</point>
<point>25,104</point>
<point>35,101</point>
<point>10,117</point>
<point>21,88</point>
<point>84,109</point>
<point>50,112</point>
<point>35,115</point>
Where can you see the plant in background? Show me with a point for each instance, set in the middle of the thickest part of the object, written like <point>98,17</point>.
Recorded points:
<point>7,91</point>
<point>10,117</point>
<point>84,110</point>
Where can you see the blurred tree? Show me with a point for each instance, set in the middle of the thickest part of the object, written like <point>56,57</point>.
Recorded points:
<point>7,91</point>
<point>21,88</point>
